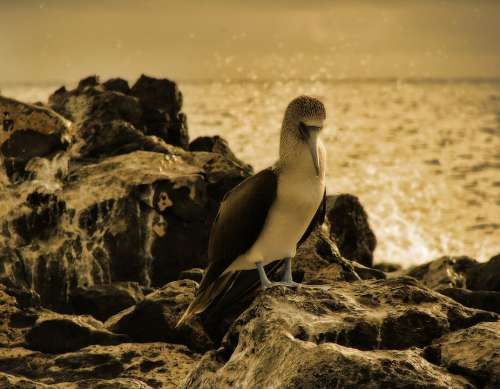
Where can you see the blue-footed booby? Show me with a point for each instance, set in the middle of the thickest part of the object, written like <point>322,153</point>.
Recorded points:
<point>267,216</point>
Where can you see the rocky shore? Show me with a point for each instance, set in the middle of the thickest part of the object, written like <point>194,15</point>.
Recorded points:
<point>106,207</point>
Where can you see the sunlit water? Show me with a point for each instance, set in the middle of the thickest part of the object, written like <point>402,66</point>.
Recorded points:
<point>423,157</point>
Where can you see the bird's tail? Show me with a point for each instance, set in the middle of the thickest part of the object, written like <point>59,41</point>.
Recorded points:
<point>205,297</point>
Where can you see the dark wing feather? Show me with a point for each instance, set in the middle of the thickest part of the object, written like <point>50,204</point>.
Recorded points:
<point>318,219</point>
<point>241,216</point>
<point>239,222</point>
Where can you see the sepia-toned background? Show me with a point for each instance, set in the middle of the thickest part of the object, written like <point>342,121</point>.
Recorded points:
<point>411,89</point>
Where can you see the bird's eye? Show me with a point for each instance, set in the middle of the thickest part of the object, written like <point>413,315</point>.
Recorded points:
<point>303,130</point>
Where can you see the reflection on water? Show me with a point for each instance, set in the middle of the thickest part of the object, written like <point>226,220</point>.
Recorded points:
<point>424,157</point>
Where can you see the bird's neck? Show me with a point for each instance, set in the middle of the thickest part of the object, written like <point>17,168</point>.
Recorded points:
<point>296,160</point>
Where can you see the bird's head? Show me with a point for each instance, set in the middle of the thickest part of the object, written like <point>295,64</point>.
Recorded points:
<point>303,122</point>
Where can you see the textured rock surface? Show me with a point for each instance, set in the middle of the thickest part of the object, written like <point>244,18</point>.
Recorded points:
<point>346,335</point>
<point>472,352</point>
<point>105,300</point>
<point>465,280</point>
<point>216,144</point>
<point>154,318</point>
<point>55,333</point>
<point>28,131</point>
<point>128,365</point>
<point>349,228</point>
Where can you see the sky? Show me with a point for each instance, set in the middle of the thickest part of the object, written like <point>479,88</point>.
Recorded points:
<point>65,40</point>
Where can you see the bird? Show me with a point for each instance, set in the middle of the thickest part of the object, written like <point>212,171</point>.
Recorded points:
<point>262,221</point>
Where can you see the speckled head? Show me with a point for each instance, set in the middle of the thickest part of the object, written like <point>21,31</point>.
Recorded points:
<point>308,110</point>
<point>303,121</point>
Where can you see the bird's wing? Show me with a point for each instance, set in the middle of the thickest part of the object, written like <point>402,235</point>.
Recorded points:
<point>239,222</point>
<point>244,284</point>
<point>318,219</point>
<point>241,216</point>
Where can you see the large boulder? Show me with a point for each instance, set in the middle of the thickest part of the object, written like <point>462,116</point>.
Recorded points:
<point>465,280</point>
<point>361,333</point>
<point>444,272</point>
<point>103,301</point>
<point>154,319</point>
<point>141,216</point>
<point>485,276</point>
<point>56,333</point>
<point>472,352</point>
<point>28,131</point>
<point>217,144</point>
<point>349,228</point>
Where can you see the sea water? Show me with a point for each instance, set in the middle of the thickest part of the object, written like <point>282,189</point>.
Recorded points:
<point>422,156</point>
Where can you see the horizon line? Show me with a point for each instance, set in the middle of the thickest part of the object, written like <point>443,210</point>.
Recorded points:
<point>230,80</point>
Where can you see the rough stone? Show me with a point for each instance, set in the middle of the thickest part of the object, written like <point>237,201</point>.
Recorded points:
<point>487,300</point>
<point>29,131</point>
<point>349,228</point>
<point>353,334</point>
<point>154,318</point>
<point>56,333</point>
<point>444,272</point>
<point>217,144</point>
<point>127,365</point>
<point>473,352</point>
<point>485,276</point>
<point>103,301</point>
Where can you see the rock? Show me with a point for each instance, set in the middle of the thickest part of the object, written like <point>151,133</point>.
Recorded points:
<point>115,138</point>
<point>361,333</point>
<point>117,85</point>
<point>154,318</point>
<point>485,276</point>
<point>161,101</point>
<point>387,267</point>
<point>29,131</point>
<point>445,272</point>
<point>318,261</point>
<point>481,299</point>
<point>472,352</point>
<point>127,365</point>
<point>217,144</point>
<point>349,228</point>
<point>14,322</point>
<point>141,216</point>
<point>465,280</point>
<point>103,301</point>
<point>55,333</point>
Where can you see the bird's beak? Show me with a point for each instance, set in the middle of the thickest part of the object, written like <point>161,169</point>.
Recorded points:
<point>312,142</point>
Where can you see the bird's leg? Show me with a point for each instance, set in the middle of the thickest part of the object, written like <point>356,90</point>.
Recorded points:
<point>287,274</point>
<point>264,281</point>
<point>287,278</point>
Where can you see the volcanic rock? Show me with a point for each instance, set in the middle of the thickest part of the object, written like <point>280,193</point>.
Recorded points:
<point>29,131</point>
<point>481,299</point>
<point>56,333</point>
<point>354,334</point>
<point>485,276</point>
<point>349,228</point>
<point>444,272</point>
<point>128,365</point>
<point>217,144</point>
<point>472,352</point>
<point>103,301</point>
<point>154,319</point>
<point>465,280</point>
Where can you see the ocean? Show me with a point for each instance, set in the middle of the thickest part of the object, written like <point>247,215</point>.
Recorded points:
<point>422,156</point>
